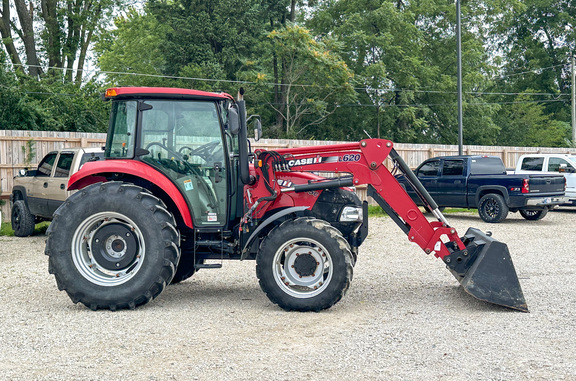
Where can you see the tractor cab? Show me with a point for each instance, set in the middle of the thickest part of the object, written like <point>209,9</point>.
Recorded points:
<point>188,137</point>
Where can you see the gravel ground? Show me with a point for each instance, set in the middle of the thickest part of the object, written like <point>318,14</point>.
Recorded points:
<point>404,318</point>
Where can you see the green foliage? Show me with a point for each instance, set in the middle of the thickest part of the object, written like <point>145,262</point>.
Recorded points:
<point>315,79</point>
<point>29,151</point>
<point>50,105</point>
<point>333,70</point>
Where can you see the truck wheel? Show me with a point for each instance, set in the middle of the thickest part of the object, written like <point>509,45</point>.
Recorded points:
<point>112,246</point>
<point>304,265</point>
<point>23,221</point>
<point>534,215</point>
<point>492,208</point>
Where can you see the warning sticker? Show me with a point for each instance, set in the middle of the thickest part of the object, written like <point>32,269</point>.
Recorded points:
<point>212,217</point>
<point>188,185</point>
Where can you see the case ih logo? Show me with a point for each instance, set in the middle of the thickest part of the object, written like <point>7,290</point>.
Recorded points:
<point>312,160</point>
<point>308,161</point>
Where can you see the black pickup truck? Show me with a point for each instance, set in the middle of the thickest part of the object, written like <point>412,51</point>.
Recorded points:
<point>481,182</point>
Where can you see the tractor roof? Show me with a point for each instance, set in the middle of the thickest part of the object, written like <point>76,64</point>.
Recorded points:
<point>163,92</point>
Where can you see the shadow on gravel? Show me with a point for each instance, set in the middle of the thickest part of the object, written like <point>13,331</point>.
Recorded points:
<point>192,292</point>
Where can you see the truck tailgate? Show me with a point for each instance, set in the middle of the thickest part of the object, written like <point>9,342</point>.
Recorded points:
<point>546,183</point>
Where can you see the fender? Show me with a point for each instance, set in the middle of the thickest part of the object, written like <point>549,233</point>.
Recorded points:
<point>491,189</point>
<point>92,172</point>
<point>268,221</point>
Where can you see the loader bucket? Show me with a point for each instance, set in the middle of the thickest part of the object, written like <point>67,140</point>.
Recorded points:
<point>485,270</point>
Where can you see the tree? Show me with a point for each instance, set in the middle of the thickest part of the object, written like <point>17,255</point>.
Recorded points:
<point>403,55</point>
<point>58,33</point>
<point>315,79</point>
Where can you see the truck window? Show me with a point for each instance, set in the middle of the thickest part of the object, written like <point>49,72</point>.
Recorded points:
<point>487,165</point>
<point>453,168</point>
<point>91,156</point>
<point>45,166</point>
<point>64,164</point>
<point>532,164</point>
<point>429,168</point>
<point>555,162</point>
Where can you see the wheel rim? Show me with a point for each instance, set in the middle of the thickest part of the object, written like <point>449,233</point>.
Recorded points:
<point>302,267</point>
<point>16,217</point>
<point>108,249</point>
<point>491,207</point>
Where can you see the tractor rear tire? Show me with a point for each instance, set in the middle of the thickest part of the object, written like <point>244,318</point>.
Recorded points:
<point>23,222</point>
<point>492,208</point>
<point>304,265</point>
<point>112,246</point>
<point>534,215</point>
<point>186,268</point>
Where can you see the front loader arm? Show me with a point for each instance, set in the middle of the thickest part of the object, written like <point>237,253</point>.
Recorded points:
<point>365,162</point>
<point>481,264</point>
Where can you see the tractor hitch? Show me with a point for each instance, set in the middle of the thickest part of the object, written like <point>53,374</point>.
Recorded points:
<point>485,270</point>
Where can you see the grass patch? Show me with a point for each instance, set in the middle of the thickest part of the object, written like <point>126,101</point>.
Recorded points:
<point>6,229</point>
<point>39,229</point>
<point>376,211</point>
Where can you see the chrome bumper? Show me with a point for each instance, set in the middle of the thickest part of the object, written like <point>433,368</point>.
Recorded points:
<point>546,201</point>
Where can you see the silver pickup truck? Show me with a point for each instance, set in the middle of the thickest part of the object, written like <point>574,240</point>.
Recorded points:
<point>37,193</point>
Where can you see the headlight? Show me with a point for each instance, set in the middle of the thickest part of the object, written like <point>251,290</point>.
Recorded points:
<point>351,214</point>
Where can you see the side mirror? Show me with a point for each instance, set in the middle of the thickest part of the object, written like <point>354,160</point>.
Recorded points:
<point>257,126</point>
<point>233,121</point>
<point>257,129</point>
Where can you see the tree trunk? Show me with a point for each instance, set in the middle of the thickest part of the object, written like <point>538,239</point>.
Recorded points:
<point>6,34</point>
<point>53,48</point>
<point>26,21</point>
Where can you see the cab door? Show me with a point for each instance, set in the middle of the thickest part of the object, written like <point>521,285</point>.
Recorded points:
<point>185,140</point>
<point>451,184</point>
<point>56,185</point>
<point>37,189</point>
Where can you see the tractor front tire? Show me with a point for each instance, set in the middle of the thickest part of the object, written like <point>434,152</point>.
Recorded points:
<point>22,220</point>
<point>492,208</point>
<point>304,265</point>
<point>112,246</point>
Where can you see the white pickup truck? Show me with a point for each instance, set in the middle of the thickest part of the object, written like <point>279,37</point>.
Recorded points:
<point>37,193</point>
<point>551,163</point>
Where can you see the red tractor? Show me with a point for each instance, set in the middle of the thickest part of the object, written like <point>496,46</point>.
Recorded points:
<point>180,187</point>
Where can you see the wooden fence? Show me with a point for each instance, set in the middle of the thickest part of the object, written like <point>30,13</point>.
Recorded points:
<point>24,149</point>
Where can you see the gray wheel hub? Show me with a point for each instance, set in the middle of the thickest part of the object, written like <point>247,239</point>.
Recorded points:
<point>108,248</point>
<point>302,267</point>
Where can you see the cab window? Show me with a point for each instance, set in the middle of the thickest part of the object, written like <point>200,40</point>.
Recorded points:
<point>429,168</point>
<point>554,164</point>
<point>453,168</point>
<point>532,164</point>
<point>64,164</point>
<point>45,166</point>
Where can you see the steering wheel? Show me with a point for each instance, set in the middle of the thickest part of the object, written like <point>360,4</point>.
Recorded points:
<point>204,151</point>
